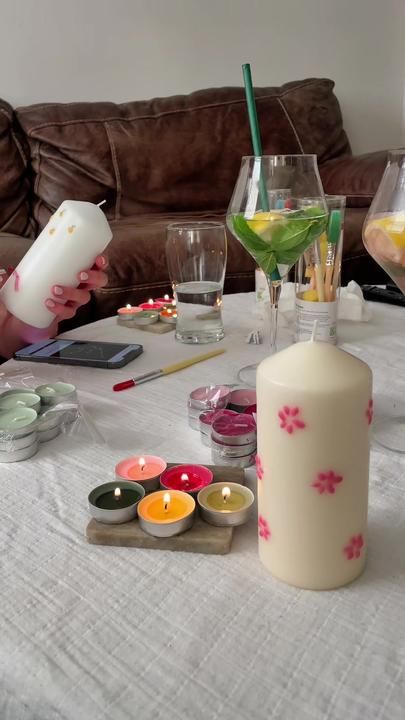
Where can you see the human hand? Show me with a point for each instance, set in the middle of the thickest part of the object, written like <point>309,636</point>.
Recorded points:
<point>66,300</point>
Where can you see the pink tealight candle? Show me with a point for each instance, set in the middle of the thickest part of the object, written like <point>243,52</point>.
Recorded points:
<point>209,397</point>
<point>152,305</point>
<point>128,310</point>
<point>242,398</point>
<point>188,478</point>
<point>143,469</point>
<point>239,429</point>
<point>208,416</point>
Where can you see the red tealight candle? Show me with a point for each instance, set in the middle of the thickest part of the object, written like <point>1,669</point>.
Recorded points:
<point>151,305</point>
<point>188,478</point>
<point>166,300</point>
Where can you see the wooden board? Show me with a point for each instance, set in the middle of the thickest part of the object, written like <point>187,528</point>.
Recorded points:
<point>158,328</point>
<point>201,538</point>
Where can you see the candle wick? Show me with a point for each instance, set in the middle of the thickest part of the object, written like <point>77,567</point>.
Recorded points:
<point>166,506</point>
<point>314,330</point>
<point>101,203</point>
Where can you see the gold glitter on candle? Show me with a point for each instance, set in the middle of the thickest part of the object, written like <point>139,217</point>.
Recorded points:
<point>71,228</point>
<point>62,212</point>
<point>51,231</point>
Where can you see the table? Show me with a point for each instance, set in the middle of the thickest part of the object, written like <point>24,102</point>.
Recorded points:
<point>116,633</point>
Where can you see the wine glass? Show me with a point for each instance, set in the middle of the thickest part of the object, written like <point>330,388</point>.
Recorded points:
<point>384,239</point>
<point>277,211</point>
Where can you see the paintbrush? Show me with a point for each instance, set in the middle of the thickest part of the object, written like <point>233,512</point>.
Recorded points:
<point>153,374</point>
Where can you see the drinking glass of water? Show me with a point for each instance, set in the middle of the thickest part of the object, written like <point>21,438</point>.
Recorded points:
<point>196,258</point>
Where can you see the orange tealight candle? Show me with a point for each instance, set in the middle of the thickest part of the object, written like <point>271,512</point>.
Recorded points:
<point>168,315</point>
<point>164,514</point>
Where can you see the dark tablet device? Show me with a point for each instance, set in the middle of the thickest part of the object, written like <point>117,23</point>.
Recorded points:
<point>80,352</point>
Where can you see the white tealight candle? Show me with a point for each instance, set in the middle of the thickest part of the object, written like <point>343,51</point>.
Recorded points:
<point>70,242</point>
<point>314,409</point>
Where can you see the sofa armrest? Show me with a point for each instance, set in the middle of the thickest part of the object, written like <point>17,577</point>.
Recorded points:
<point>357,177</point>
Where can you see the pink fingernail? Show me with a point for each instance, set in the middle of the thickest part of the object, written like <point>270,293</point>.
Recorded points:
<point>84,276</point>
<point>50,303</point>
<point>58,290</point>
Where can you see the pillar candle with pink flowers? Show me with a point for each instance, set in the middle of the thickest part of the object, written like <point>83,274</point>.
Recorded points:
<point>314,410</point>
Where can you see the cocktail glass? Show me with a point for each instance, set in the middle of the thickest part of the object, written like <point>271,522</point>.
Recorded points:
<point>276,238</point>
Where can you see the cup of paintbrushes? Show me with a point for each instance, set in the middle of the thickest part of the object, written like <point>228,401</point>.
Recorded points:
<point>317,278</point>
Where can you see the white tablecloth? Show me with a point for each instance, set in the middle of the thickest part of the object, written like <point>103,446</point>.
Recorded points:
<point>92,632</point>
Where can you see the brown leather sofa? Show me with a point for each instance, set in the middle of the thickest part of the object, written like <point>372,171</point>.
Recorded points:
<point>167,159</point>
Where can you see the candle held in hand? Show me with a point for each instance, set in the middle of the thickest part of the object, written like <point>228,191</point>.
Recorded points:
<point>70,242</point>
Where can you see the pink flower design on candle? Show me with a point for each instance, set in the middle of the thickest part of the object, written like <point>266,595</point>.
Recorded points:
<point>259,468</point>
<point>326,482</point>
<point>354,547</point>
<point>290,420</point>
<point>370,411</point>
<point>264,530</point>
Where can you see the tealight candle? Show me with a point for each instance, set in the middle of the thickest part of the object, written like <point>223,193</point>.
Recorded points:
<point>168,315</point>
<point>151,305</point>
<point>23,398</point>
<point>55,393</point>
<point>17,422</point>
<point>189,478</point>
<point>241,398</point>
<point>115,502</point>
<point>206,419</point>
<point>314,411</point>
<point>127,312</point>
<point>164,514</point>
<point>144,469</point>
<point>225,504</point>
<point>145,317</point>
<point>239,429</point>
<point>166,300</point>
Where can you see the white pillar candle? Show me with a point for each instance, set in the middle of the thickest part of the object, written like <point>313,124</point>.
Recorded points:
<point>314,409</point>
<point>70,242</point>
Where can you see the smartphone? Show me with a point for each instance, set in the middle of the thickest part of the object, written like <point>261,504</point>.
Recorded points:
<point>80,352</point>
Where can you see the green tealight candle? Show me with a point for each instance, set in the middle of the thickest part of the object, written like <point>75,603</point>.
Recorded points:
<point>117,499</point>
<point>222,500</point>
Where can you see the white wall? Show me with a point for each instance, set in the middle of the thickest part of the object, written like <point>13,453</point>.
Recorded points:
<point>63,50</point>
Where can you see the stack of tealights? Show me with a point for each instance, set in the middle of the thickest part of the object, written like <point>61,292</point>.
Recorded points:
<point>166,500</point>
<point>29,417</point>
<point>225,417</point>
<point>148,313</point>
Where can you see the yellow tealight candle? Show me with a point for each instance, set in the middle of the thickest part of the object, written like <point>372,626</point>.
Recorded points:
<point>225,503</point>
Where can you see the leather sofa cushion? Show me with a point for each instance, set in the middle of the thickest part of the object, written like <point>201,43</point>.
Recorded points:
<point>14,183</point>
<point>171,154</point>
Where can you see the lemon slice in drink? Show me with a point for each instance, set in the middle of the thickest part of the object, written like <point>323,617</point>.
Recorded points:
<point>391,226</point>
<point>262,222</point>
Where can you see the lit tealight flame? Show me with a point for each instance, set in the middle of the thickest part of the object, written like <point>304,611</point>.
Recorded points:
<point>166,297</point>
<point>169,312</point>
<point>226,492</point>
<point>184,478</point>
<point>128,306</point>
<point>174,303</point>
<point>142,463</point>
<point>166,501</point>
<point>150,301</point>
<point>117,493</point>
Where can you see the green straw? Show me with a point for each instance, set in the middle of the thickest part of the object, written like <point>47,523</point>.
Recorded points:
<point>256,141</point>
